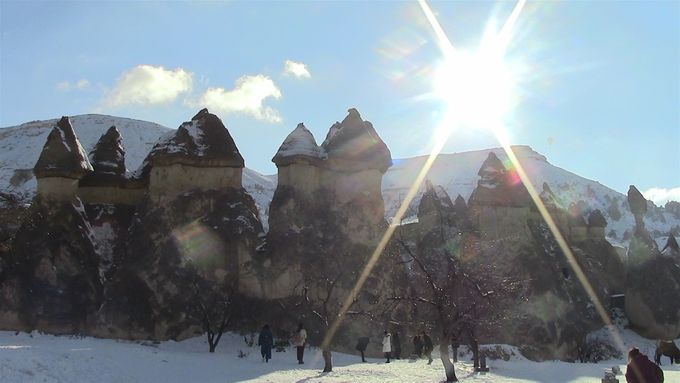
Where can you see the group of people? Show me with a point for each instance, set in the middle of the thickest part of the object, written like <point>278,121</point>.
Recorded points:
<point>391,346</point>
<point>266,342</point>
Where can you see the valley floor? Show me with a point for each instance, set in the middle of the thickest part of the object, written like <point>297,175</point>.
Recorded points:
<point>46,358</point>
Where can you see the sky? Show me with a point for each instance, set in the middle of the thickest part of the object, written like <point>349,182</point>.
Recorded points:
<point>596,85</point>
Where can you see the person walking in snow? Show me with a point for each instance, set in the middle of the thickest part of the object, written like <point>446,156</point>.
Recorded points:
<point>396,346</point>
<point>299,341</point>
<point>387,345</point>
<point>427,347</point>
<point>642,370</point>
<point>418,346</point>
<point>361,347</point>
<point>266,342</point>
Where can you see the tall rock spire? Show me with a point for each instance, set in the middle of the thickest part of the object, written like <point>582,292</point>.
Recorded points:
<point>108,155</point>
<point>62,156</point>
<point>354,144</point>
<point>299,145</point>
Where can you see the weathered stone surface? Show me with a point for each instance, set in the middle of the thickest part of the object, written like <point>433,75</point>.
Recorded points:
<point>202,142</point>
<point>652,291</point>
<point>299,147</point>
<point>215,232</point>
<point>51,280</point>
<point>636,201</point>
<point>671,249</point>
<point>108,155</point>
<point>496,187</point>
<point>353,144</point>
<point>62,156</point>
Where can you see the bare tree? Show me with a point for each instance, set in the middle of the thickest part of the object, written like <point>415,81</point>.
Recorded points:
<point>213,306</point>
<point>457,300</point>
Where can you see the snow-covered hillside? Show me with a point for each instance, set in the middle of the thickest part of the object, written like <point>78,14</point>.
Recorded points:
<point>47,358</point>
<point>20,148</point>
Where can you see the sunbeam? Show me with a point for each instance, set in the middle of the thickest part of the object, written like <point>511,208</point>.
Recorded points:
<point>479,91</point>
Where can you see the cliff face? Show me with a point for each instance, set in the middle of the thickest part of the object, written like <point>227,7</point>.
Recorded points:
<point>133,257</point>
<point>330,190</point>
<point>51,280</point>
<point>124,263</point>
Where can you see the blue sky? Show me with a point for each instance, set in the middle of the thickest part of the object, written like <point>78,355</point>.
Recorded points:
<point>599,91</point>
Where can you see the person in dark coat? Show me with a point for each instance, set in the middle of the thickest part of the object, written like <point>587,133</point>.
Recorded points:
<point>266,342</point>
<point>361,346</point>
<point>427,347</point>
<point>396,346</point>
<point>642,370</point>
<point>418,346</point>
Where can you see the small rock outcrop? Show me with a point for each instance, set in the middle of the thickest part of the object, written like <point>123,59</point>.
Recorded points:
<point>435,205</point>
<point>671,249</point>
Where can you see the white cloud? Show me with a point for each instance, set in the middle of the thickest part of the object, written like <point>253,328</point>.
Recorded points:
<point>66,86</point>
<point>146,85</point>
<point>296,69</point>
<point>247,97</point>
<point>661,195</point>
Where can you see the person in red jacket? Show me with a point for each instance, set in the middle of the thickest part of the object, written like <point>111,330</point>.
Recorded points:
<point>642,370</point>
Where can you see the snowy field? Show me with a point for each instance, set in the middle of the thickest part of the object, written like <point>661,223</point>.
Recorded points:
<point>46,358</point>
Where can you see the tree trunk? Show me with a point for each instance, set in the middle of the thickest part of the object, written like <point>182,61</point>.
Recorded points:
<point>211,342</point>
<point>327,360</point>
<point>446,360</point>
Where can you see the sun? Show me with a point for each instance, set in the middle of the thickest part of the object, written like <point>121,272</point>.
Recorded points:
<point>477,88</point>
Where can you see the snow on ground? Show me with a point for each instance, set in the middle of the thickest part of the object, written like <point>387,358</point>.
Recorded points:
<point>46,358</point>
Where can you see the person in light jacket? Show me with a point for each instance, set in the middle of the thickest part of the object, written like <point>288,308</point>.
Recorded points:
<point>299,340</point>
<point>387,345</point>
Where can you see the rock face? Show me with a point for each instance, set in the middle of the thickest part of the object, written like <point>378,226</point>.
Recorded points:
<point>135,255</point>
<point>200,154</point>
<point>108,155</point>
<point>671,249</point>
<point>499,206</point>
<point>61,164</point>
<point>653,281</point>
<point>212,232</point>
<point>122,264</point>
<point>328,199</point>
<point>551,312</point>
<point>435,206</point>
<point>52,280</point>
<point>108,183</point>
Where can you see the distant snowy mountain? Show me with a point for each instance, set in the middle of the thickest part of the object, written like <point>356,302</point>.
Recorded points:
<point>457,174</point>
<point>20,148</point>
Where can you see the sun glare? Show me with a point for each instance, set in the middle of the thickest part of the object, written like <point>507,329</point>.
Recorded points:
<point>477,88</point>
